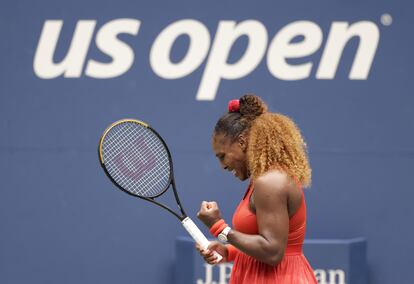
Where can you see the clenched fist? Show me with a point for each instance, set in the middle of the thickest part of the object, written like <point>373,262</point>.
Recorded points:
<point>209,213</point>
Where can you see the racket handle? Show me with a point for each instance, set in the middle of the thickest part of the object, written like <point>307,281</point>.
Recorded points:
<point>198,236</point>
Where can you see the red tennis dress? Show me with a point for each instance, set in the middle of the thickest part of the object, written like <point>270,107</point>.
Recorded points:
<point>293,269</point>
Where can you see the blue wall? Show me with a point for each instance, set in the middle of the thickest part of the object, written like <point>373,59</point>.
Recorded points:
<point>63,222</point>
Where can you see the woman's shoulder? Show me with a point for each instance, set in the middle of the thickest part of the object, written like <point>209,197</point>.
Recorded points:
<point>272,183</point>
<point>274,179</point>
<point>276,187</point>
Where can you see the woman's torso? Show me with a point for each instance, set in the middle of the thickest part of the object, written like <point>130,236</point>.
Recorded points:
<point>294,267</point>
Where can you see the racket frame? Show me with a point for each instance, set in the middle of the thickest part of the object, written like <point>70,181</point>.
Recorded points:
<point>171,180</point>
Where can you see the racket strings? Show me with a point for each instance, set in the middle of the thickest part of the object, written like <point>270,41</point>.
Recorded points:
<point>143,155</point>
<point>153,176</point>
<point>145,185</point>
<point>136,159</point>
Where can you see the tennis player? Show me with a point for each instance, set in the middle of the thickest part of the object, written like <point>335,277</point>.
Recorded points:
<point>268,229</point>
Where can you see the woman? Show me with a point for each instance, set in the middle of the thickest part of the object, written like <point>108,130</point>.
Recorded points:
<point>265,240</point>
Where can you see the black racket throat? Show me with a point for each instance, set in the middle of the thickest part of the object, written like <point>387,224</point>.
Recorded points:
<point>182,214</point>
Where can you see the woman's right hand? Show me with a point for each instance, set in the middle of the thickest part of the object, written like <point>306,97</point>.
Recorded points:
<point>208,255</point>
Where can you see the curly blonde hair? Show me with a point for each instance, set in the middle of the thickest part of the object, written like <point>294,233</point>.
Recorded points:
<point>274,140</point>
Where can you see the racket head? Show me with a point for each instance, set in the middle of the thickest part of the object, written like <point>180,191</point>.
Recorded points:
<point>136,158</point>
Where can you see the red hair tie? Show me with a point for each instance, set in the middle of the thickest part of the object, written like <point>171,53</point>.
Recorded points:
<point>234,106</point>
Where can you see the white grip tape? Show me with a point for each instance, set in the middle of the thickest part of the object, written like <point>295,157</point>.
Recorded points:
<point>198,236</point>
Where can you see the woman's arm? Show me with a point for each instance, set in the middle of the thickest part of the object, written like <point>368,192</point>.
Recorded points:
<point>270,200</point>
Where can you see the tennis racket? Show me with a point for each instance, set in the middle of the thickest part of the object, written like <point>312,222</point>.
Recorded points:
<point>137,160</point>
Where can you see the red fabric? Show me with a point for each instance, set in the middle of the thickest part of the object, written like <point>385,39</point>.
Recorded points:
<point>218,227</point>
<point>231,252</point>
<point>293,269</point>
<point>234,106</point>
<point>213,228</point>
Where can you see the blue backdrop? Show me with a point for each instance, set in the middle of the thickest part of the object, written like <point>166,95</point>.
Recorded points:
<point>340,69</point>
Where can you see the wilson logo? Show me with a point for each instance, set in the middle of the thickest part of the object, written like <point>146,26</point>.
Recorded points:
<point>134,165</point>
<point>277,51</point>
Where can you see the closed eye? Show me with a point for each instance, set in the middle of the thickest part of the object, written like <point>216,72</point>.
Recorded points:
<point>220,156</point>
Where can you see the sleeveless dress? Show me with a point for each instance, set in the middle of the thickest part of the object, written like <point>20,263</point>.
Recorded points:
<point>293,269</point>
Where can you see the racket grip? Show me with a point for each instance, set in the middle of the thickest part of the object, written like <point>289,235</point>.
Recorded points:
<point>198,236</point>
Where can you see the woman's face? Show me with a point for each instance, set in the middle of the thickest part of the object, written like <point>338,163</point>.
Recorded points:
<point>232,155</point>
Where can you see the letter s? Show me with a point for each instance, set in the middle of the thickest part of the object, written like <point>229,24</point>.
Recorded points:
<point>122,54</point>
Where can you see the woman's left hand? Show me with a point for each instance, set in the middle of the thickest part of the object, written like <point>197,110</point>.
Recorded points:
<point>209,213</point>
